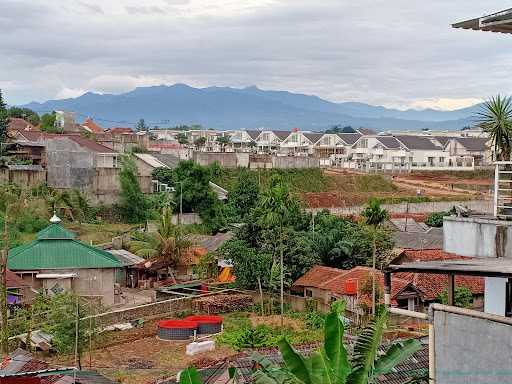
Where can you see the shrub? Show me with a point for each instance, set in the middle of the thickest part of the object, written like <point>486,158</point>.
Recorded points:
<point>463,297</point>
<point>436,219</point>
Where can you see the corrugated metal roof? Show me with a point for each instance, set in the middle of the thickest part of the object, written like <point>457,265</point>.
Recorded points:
<point>56,248</point>
<point>55,232</point>
<point>126,258</point>
<point>151,160</point>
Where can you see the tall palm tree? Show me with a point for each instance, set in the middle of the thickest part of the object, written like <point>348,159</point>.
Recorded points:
<point>495,118</point>
<point>275,208</point>
<point>168,244</point>
<point>374,215</point>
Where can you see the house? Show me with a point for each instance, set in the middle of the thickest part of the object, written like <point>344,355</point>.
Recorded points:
<point>56,261</point>
<point>424,152</point>
<point>469,151</point>
<point>17,289</point>
<point>18,124</point>
<point>65,122</point>
<point>299,143</point>
<point>270,141</point>
<point>89,125</point>
<point>408,290</point>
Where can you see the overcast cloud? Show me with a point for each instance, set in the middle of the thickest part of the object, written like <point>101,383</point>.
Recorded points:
<point>398,53</point>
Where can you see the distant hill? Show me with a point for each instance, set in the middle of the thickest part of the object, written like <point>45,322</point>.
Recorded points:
<point>251,107</point>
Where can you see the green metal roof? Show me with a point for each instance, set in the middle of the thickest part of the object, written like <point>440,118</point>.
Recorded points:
<point>56,248</point>
<point>55,231</point>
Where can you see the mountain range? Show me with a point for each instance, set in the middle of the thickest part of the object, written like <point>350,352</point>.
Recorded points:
<point>251,108</point>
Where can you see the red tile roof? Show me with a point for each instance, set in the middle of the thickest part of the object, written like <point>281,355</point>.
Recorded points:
<point>412,255</point>
<point>80,140</point>
<point>91,126</point>
<point>120,130</point>
<point>318,275</point>
<point>90,144</point>
<point>429,285</point>
<point>18,124</point>
<point>432,285</point>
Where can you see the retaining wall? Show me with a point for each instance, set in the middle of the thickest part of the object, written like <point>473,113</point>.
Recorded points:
<point>429,207</point>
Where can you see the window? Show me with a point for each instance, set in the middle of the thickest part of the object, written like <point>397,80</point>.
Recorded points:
<point>308,293</point>
<point>363,143</point>
<point>441,159</point>
<point>115,162</point>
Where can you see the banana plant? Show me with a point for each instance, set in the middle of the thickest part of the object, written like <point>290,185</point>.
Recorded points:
<point>332,364</point>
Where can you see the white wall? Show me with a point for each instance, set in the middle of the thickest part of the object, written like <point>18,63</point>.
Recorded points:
<point>495,295</point>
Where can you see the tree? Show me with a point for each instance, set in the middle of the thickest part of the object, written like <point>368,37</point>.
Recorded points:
<point>11,204</point>
<point>24,113</point>
<point>193,191</point>
<point>245,194</point>
<point>275,206</point>
<point>167,244</point>
<point>223,141</point>
<point>4,122</point>
<point>141,126</point>
<point>495,118</point>
<point>374,216</point>
<point>463,297</point>
<point>133,204</point>
<point>332,363</point>
<point>182,138</point>
<point>200,142</point>
<point>48,123</point>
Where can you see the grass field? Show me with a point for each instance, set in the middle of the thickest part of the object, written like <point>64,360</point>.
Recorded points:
<point>310,180</point>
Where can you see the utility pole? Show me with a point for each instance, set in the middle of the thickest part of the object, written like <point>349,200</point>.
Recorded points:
<point>181,203</point>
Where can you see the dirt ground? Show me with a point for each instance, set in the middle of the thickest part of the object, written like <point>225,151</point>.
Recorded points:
<point>433,185</point>
<point>136,356</point>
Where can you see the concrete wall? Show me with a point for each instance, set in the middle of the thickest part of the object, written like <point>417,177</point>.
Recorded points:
<point>286,162</point>
<point>471,349</point>
<point>477,205</point>
<point>226,160</point>
<point>69,165</point>
<point>89,282</point>
<point>25,178</point>
<point>477,237</point>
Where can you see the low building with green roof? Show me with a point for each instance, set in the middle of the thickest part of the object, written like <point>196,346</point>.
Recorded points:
<point>56,261</point>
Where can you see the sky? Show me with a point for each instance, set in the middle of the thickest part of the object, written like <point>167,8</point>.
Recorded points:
<point>396,53</point>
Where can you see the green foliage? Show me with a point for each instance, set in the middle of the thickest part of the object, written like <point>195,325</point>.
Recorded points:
<point>192,182</point>
<point>373,214</point>
<point>462,297</point>
<point>244,195</point>
<point>4,120</point>
<point>332,364</point>
<point>141,126</point>
<point>168,243</point>
<point>133,205</point>
<point>495,118</point>
<point>182,138</point>
<point>239,333</point>
<point>48,123</point>
<point>298,180</point>
<point>24,113</point>
<point>435,219</point>
<point>249,264</point>
<point>57,316</point>
<point>200,142</point>
<point>223,141</point>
